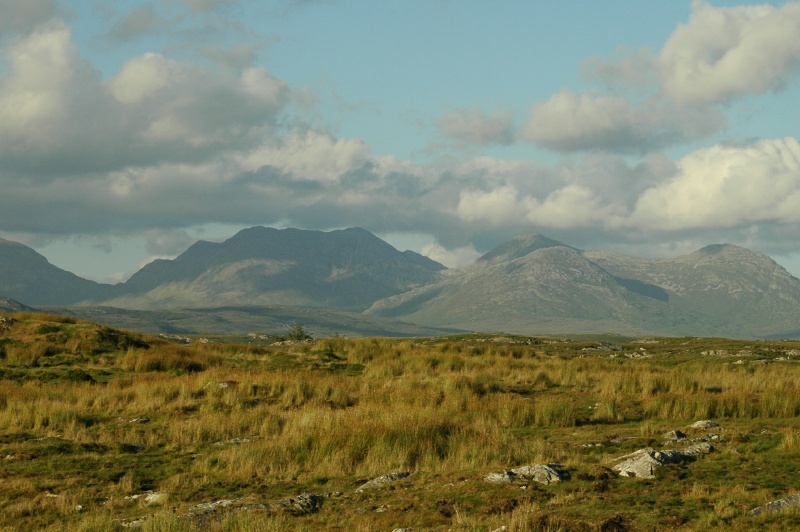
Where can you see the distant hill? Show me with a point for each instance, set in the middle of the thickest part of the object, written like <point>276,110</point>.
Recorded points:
<point>273,319</point>
<point>339,270</point>
<point>27,276</point>
<point>9,305</point>
<point>534,284</point>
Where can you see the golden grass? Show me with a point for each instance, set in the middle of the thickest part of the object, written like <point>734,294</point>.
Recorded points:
<point>206,421</point>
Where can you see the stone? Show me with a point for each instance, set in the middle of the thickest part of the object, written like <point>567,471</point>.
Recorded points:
<point>674,435</point>
<point>644,462</point>
<point>704,424</point>
<point>500,477</point>
<point>777,506</point>
<point>303,504</point>
<point>541,473</point>
<point>382,481</point>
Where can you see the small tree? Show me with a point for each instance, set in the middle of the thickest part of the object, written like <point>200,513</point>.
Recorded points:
<point>298,333</point>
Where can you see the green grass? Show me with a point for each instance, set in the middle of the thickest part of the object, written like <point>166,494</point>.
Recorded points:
<point>92,415</point>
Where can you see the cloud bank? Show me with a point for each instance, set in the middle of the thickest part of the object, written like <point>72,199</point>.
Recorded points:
<point>169,143</point>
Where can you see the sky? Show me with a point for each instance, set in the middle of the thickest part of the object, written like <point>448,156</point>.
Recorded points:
<point>131,129</point>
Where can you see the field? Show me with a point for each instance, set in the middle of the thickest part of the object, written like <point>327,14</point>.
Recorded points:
<point>102,429</point>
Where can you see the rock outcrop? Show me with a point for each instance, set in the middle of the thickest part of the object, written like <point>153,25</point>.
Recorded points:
<point>777,506</point>
<point>541,473</point>
<point>644,462</point>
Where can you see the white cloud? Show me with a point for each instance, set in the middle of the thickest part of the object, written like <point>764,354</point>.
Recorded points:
<point>498,207</point>
<point>580,121</point>
<point>476,127</point>
<point>311,155</point>
<point>725,52</point>
<point>726,186</point>
<point>58,117</point>
<point>569,207</point>
<point>452,258</point>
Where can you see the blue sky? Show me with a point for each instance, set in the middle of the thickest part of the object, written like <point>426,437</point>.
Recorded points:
<point>130,129</point>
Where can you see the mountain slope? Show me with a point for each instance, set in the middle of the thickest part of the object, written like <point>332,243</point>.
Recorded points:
<point>722,289</point>
<point>340,270</point>
<point>532,284</point>
<point>27,276</point>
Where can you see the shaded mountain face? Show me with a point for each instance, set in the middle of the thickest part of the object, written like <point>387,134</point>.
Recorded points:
<point>339,270</point>
<point>27,276</point>
<point>532,284</point>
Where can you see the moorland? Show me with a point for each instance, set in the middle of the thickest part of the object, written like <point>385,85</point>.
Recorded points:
<point>106,429</point>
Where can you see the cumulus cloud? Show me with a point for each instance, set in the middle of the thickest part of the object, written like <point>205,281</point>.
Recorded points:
<point>571,121</point>
<point>498,206</point>
<point>467,127</point>
<point>310,155</point>
<point>57,116</point>
<point>452,258</point>
<point>626,66</point>
<point>726,186</point>
<point>569,207</point>
<point>725,52</point>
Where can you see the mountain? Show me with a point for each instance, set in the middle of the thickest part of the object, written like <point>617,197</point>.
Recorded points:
<point>339,270</point>
<point>534,284</point>
<point>27,276</point>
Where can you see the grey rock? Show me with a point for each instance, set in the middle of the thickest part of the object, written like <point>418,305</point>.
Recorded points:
<point>777,506</point>
<point>699,448</point>
<point>382,481</point>
<point>544,474</point>
<point>674,435</point>
<point>304,504</point>
<point>500,477</point>
<point>704,424</point>
<point>644,462</point>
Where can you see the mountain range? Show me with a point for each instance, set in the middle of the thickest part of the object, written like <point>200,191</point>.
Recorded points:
<point>530,284</point>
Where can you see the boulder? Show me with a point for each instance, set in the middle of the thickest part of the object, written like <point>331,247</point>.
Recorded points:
<point>385,480</point>
<point>674,435</point>
<point>644,462</point>
<point>541,473</point>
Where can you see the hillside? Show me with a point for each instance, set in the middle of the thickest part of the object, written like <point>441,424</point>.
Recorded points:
<point>338,270</point>
<point>27,276</point>
<point>534,284</point>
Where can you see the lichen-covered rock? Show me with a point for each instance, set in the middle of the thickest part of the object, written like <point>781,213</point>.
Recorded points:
<point>500,477</point>
<point>384,480</point>
<point>303,504</point>
<point>644,462</point>
<point>542,473</point>
<point>699,448</point>
<point>704,424</point>
<point>777,506</point>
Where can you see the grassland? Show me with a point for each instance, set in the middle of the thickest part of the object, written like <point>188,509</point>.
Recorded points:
<point>93,420</point>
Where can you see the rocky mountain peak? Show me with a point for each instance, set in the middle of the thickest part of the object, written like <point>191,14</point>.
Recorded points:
<point>520,246</point>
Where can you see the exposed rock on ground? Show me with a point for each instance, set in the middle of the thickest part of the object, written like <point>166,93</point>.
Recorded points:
<point>674,435</point>
<point>382,481</point>
<point>542,473</point>
<point>704,424</point>
<point>644,462</point>
<point>777,506</point>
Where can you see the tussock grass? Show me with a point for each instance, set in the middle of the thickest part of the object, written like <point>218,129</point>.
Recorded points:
<point>219,421</point>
